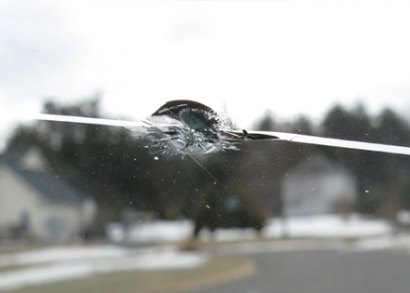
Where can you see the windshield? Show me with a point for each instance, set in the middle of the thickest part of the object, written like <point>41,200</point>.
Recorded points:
<point>204,147</point>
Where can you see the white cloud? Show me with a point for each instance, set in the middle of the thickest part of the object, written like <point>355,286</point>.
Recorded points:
<point>291,57</point>
<point>32,51</point>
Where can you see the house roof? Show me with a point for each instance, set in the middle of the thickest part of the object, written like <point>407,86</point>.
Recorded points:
<point>53,188</point>
<point>317,164</point>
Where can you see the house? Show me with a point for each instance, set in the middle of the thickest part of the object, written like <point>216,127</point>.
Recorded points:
<point>318,186</point>
<point>37,204</point>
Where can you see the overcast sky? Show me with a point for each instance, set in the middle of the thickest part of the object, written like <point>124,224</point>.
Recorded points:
<point>242,57</point>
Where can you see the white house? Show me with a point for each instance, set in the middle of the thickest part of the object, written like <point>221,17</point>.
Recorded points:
<point>38,204</point>
<point>317,186</point>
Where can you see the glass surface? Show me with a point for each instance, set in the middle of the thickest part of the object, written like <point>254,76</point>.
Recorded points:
<point>278,178</point>
<point>96,207</point>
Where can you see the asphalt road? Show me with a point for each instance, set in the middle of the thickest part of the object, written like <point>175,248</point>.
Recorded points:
<point>324,272</point>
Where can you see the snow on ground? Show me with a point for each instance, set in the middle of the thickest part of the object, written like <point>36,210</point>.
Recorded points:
<point>399,242</point>
<point>80,262</point>
<point>151,232</point>
<point>327,226</point>
<point>323,226</point>
<point>56,254</point>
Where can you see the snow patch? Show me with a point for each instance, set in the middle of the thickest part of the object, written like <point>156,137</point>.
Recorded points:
<point>327,226</point>
<point>76,262</point>
<point>150,232</point>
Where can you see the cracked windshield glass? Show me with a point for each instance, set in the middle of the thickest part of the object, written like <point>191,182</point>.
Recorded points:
<point>169,147</point>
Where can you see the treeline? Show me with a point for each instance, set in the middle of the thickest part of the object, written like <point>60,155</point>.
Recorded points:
<point>116,168</point>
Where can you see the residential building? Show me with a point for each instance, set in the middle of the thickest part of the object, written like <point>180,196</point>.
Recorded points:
<point>318,186</point>
<point>36,203</point>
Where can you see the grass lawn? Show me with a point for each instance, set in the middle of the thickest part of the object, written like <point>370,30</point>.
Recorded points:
<point>217,270</point>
